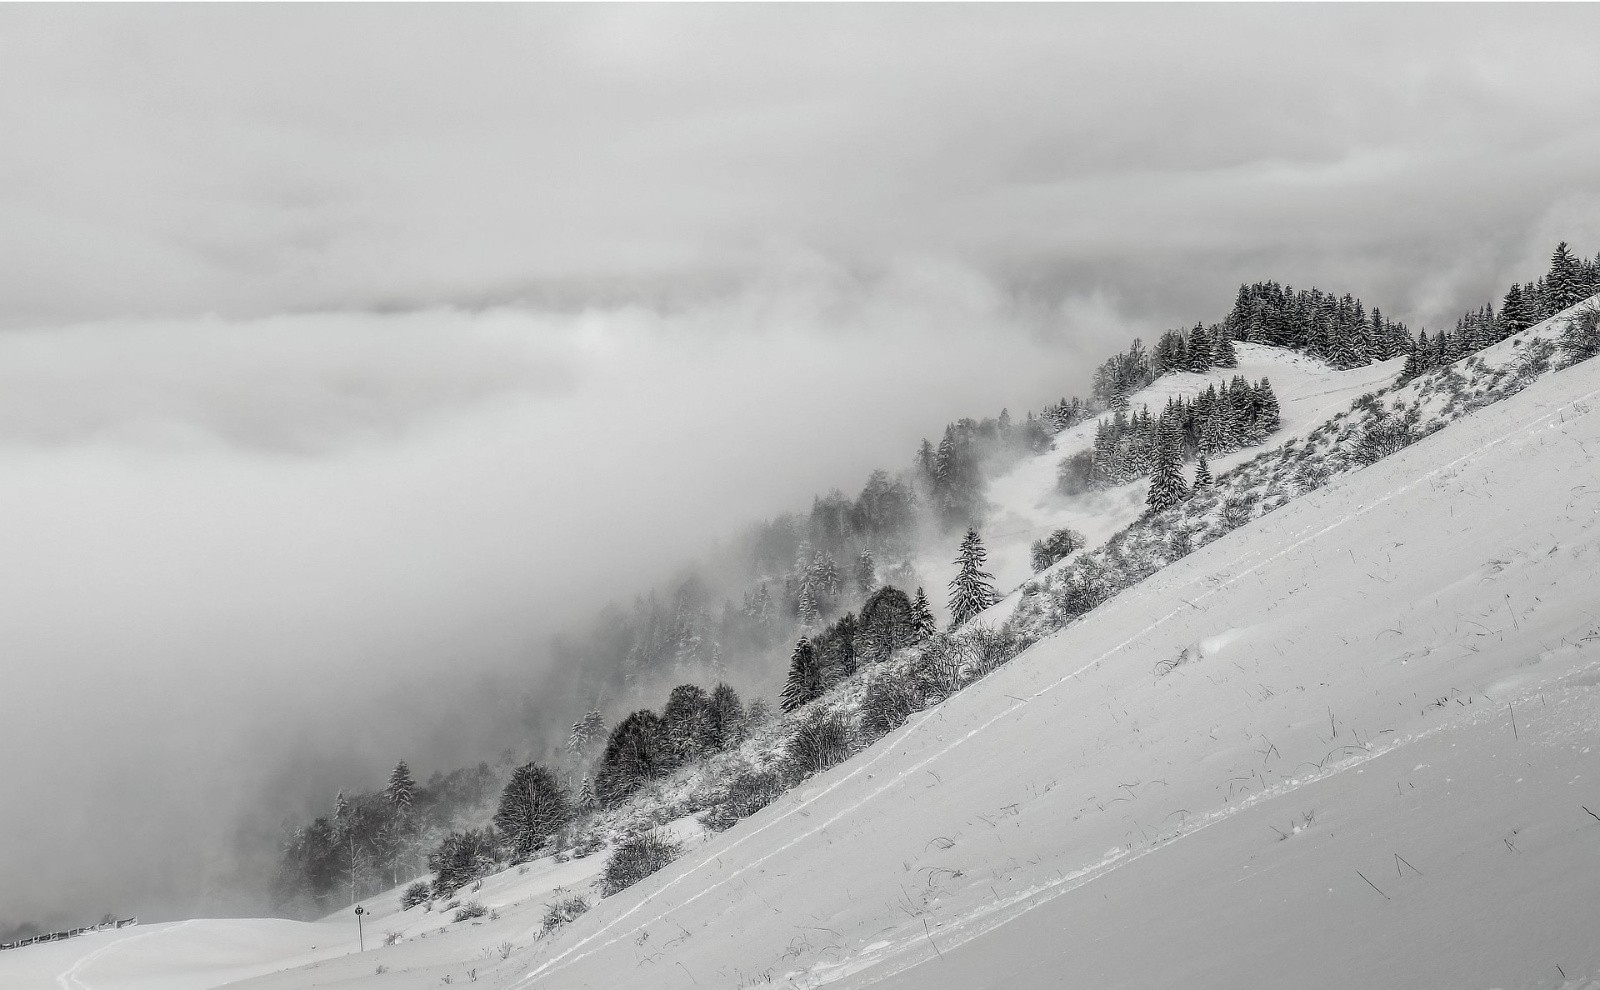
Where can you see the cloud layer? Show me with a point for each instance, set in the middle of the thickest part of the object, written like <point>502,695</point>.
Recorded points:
<point>257,160</point>
<point>248,562</point>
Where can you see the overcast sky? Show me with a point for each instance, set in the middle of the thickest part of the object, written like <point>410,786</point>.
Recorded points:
<point>348,351</point>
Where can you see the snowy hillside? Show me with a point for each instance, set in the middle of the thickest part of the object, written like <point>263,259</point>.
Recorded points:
<point>1028,506</point>
<point>1375,711</point>
<point>1335,751</point>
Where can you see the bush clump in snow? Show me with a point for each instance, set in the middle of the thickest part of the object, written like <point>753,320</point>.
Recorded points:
<point>1580,340</point>
<point>415,894</point>
<point>749,790</point>
<point>635,859</point>
<point>470,910</point>
<point>563,911</point>
<point>820,741</point>
<point>890,700</point>
<point>1044,553</point>
<point>461,858</point>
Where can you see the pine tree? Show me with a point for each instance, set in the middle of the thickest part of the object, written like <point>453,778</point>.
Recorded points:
<point>805,677</point>
<point>1344,349</point>
<point>809,616</point>
<point>866,572</point>
<point>1167,487</point>
<point>1225,356</point>
<point>922,616</point>
<point>401,788</point>
<point>1564,280</point>
<point>971,590</point>
<point>1201,357</point>
<point>585,733</point>
<point>533,807</point>
<point>1202,473</point>
<point>1269,417</point>
<point>725,718</point>
<point>827,575</point>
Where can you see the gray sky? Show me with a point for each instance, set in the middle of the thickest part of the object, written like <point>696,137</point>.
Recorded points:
<point>348,351</point>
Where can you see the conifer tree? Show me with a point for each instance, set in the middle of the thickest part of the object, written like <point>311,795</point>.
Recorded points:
<point>922,615</point>
<point>401,788</point>
<point>725,718</point>
<point>1269,418</point>
<point>809,616</point>
<point>1202,473</point>
<point>971,590</point>
<point>827,576</point>
<point>1201,357</point>
<point>805,677</point>
<point>585,733</point>
<point>1225,356</point>
<point>866,572</point>
<point>1167,487</point>
<point>1565,278</point>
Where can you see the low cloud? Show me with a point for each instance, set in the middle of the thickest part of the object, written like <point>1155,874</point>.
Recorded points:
<point>248,562</point>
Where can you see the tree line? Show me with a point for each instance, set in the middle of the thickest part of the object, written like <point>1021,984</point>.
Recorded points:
<point>1569,281</point>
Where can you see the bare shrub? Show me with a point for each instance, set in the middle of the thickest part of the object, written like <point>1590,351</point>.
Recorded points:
<point>987,649</point>
<point>821,741</point>
<point>889,701</point>
<point>939,668</point>
<point>749,790</point>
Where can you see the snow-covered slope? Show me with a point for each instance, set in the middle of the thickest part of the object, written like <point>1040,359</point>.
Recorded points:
<point>1356,743</point>
<point>1076,819</point>
<point>1027,505</point>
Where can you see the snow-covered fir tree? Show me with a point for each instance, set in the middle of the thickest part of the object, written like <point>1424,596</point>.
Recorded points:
<point>586,733</point>
<point>866,572</point>
<point>971,590</point>
<point>401,788</point>
<point>1565,279</point>
<point>1202,473</point>
<point>808,614</point>
<point>922,615</point>
<point>805,677</point>
<point>1167,487</point>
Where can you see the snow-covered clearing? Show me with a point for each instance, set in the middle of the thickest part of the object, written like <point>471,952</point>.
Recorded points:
<point>1377,765</point>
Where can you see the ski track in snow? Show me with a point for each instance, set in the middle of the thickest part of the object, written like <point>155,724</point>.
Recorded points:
<point>560,961</point>
<point>981,921</point>
<point>71,979</point>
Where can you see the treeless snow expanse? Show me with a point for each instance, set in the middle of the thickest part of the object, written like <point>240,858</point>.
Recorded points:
<point>1375,765</point>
